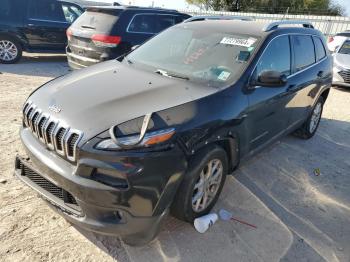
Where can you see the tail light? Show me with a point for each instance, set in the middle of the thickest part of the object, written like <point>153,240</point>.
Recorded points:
<point>69,34</point>
<point>106,40</point>
<point>330,39</point>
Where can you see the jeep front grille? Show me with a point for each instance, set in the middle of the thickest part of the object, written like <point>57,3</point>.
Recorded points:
<point>53,133</point>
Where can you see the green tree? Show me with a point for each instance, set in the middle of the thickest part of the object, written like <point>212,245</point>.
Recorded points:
<point>272,6</point>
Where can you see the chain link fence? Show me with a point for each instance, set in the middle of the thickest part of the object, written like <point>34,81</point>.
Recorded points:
<point>328,25</point>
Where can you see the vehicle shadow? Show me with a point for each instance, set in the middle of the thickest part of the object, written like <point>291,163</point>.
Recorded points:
<point>341,88</point>
<point>42,65</point>
<point>297,194</point>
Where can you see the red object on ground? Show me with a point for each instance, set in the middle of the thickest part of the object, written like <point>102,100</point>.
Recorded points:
<point>242,222</point>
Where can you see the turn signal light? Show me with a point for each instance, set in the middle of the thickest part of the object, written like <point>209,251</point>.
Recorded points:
<point>69,34</point>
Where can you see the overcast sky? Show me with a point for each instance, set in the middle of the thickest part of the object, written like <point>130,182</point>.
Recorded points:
<point>181,4</point>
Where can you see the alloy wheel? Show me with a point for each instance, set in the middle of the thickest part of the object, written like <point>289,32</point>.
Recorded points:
<point>315,117</point>
<point>207,185</point>
<point>8,50</point>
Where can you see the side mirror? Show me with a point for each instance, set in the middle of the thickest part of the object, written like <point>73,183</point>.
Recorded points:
<point>270,78</point>
<point>135,47</point>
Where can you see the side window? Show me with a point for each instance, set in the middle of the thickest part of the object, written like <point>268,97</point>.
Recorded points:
<point>71,12</point>
<point>5,9</point>
<point>180,19</point>
<point>304,52</point>
<point>143,23</point>
<point>276,57</point>
<point>46,10</point>
<point>165,21</point>
<point>319,49</point>
<point>9,10</point>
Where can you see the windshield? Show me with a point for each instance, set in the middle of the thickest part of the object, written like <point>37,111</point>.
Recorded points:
<point>213,57</point>
<point>345,49</point>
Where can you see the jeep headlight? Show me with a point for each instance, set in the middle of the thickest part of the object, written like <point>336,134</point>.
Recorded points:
<point>128,142</point>
<point>144,139</point>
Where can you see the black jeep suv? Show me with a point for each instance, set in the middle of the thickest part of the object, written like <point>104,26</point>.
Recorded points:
<point>114,146</point>
<point>104,33</point>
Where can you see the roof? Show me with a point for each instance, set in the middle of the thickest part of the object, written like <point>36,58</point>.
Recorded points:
<point>86,3</point>
<point>136,8</point>
<point>253,28</point>
<point>230,26</point>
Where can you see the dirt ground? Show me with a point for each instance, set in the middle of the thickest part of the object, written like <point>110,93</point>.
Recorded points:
<point>299,216</point>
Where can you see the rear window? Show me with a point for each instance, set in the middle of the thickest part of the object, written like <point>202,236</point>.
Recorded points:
<point>304,51</point>
<point>98,20</point>
<point>319,49</point>
<point>152,23</point>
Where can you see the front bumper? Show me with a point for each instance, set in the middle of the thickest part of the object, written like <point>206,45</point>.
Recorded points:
<point>341,77</point>
<point>133,211</point>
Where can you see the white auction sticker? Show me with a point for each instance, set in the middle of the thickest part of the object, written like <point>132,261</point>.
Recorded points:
<point>224,75</point>
<point>247,42</point>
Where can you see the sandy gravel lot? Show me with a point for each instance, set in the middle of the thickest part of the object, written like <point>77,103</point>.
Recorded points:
<point>300,216</point>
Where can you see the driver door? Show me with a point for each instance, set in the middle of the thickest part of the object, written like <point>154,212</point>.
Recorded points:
<point>268,115</point>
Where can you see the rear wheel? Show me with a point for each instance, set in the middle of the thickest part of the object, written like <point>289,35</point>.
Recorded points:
<point>10,50</point>
<point>309,128</point>
<point>202,184</point>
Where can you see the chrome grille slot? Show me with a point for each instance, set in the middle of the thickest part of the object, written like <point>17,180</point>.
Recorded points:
<point>40,128</point>
<point>49,134</point>
<point>29,112</point>
<point>71,145</point>
<point>58,139</point>
<point>34,121</point>
<point>345,75</point>
<point>54,134</point>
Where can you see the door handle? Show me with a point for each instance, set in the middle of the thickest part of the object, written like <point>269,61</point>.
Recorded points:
<point>291,88</point>
<point>320,74</point>
<point>30,25</point>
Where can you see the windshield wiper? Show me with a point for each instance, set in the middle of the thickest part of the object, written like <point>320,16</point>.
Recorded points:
<point>168,74</point>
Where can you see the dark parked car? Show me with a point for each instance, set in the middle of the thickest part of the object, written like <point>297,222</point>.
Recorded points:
<point>115,146</point>
<point>35,26</point>
<point>104,33</point>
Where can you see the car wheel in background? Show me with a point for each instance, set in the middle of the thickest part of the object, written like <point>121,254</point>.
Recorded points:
<point>10,50</point>
<point>309,128</point>
<point>202,184</point>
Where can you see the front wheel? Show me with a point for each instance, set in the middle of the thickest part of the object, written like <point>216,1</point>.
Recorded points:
<point>309,128</point>
<point>202,184</point>
<point>10,50</point>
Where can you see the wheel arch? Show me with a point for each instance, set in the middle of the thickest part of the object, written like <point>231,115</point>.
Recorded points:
<point>325,94</point>
<point>229,143</point>
<point>16,37</point>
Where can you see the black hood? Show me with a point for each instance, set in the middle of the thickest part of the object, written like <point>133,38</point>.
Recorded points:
<point>93,99</point>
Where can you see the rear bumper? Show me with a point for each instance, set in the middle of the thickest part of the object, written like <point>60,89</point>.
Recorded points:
<point>77,61</point>
<point>133,213</point>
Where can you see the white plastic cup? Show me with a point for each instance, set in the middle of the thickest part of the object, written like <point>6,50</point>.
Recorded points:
<point>202,224</point>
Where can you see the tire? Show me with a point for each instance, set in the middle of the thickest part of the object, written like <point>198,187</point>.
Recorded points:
<point>309,128</point>
<point>182,207</point>
<point>10,50</point>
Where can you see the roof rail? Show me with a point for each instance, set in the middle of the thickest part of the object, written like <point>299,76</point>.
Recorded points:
<point>150,8</point>
<point>274,25</point>
<point>217,17</point>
